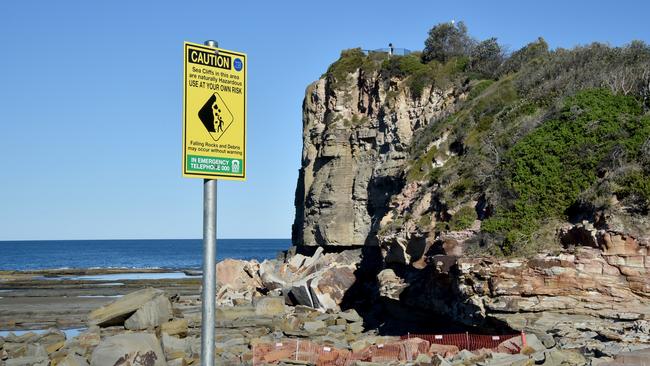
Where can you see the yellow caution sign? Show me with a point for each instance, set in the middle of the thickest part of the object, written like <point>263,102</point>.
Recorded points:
<point>214,113</point>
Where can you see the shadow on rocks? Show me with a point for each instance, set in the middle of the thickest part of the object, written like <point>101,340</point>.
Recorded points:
<point>363,295</point>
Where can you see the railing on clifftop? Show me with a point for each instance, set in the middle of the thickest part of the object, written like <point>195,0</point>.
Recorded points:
<point>396,51</point>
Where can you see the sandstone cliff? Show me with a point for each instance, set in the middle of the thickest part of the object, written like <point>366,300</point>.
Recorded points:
<point>440,161</point>
<point>356,139</point>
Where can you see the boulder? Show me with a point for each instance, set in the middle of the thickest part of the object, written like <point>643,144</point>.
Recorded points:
<point>464,356</point>
<point>27,361</point>
<point>173,347</point>
<point>437,360</point>
<point>360,345</point>
<point>444,350</point>
<point>515,344</point>
<point>118,311</point>
<point>508,360</point>
<point>177,327</point>
<point>73,360</point>
<point>638,357</point>
<point>354,327</point>
<point>296,261</point>
<point>313,325</point>
<point>136,349</point>
<point>177,362</point>
<point>152,314</point>
<point>90,337</point>
<point>350,316</point>
<point>390,285</point>
<point>234,312</point>
<point>274,275</point>
<point>29,337</point>
<point>556,357</point>
<point>269,306</point>
<point>423,358</point>
<point>53,347</point>
<point>51,336</point>
<point>238,274</point>
<point>300,294</point>
<point>326,288</point>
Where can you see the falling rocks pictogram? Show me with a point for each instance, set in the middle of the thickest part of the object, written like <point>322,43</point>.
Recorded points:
<point>215,116</point>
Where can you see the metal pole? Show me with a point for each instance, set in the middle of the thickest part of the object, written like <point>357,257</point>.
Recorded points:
<point>209,265</point>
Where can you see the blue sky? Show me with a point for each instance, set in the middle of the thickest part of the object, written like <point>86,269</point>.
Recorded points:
<point>90,100</point>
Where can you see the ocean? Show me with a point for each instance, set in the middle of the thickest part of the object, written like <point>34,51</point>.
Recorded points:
<point>167,254</point>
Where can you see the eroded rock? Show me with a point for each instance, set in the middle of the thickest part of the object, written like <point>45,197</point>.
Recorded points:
<point>136,349</point>
<point>118,311</point>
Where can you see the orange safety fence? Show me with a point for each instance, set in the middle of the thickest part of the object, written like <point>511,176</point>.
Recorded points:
<point>470,342</point>
<point>406,349</point>
<point>310,352</point>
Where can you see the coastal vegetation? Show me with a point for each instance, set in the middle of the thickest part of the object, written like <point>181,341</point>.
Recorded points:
<point>542,136</point>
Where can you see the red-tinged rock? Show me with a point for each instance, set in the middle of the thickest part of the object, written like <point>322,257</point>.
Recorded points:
<point>238,274</point>
<point>443,350</point>
<point>618,244</point>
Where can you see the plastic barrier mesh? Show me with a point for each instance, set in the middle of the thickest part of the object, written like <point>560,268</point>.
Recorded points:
<point>407,349</point>
<point>470,342</point>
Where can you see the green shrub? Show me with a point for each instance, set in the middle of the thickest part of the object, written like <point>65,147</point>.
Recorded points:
<point>463,186</point>
<point>435,175</point>
<point>462,219</point>
<point>635,186</point>
<point>546,171</point>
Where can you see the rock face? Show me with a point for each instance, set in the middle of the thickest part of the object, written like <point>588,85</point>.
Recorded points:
<point>593,299</point>
<point>356,137</point>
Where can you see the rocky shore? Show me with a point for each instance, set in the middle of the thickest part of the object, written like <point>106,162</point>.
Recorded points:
<point>324,309</point>
<point>62,298</point>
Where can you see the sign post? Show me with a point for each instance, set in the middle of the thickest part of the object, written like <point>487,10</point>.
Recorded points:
<point>214,147</point>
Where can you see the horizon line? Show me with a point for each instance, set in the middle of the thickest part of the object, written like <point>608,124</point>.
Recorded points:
<point>258,238</point>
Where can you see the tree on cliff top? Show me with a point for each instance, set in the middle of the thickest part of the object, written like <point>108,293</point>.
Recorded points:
<point>447,40</point>
<point>486,58</point>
